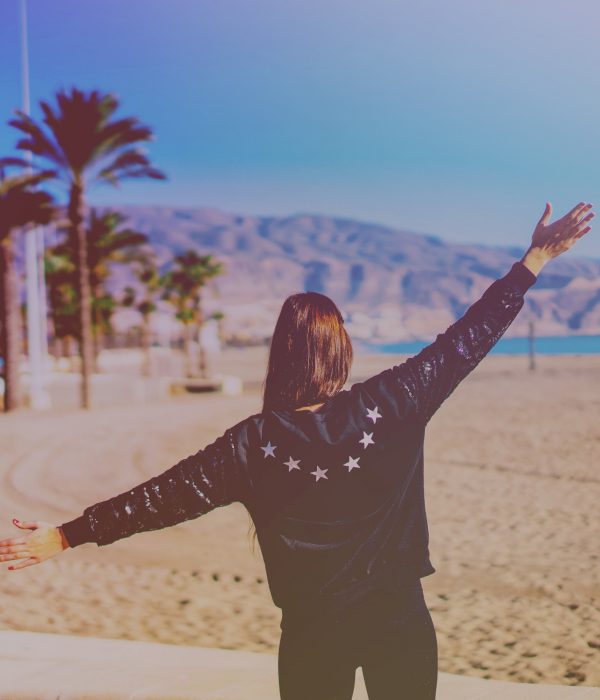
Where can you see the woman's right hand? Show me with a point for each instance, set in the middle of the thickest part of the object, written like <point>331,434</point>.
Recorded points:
<point>550,240</point>
<point>43,542</point>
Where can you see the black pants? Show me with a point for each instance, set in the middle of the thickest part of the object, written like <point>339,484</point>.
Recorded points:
<point>390,634</point>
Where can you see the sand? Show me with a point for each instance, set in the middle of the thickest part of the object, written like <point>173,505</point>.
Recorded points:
<point>513,484</point>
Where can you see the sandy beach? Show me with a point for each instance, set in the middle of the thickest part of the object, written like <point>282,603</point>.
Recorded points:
<point>513,484</point>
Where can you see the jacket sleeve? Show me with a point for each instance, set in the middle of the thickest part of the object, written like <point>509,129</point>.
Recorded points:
<point>417,387</point>
<point>214,476</point>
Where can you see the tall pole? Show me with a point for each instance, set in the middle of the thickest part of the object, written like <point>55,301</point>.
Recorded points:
<point>531,348</point>
<point>43,305</point>
<point>38,397</point>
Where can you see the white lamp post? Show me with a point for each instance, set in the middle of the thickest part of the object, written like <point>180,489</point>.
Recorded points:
<point>34,252</point>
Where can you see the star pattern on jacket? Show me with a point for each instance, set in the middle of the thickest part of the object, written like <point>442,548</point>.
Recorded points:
<point>367,439</point>
<point>268,448</point>
<point>352,463</point>
<point>373,414</point>
<point>292,463</point>
<point>320,473</point>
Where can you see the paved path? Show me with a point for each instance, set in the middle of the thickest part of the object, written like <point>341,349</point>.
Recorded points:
<point>41,666</point>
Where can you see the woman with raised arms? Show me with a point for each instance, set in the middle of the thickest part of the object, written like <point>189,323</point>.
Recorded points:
<point>333,481</point>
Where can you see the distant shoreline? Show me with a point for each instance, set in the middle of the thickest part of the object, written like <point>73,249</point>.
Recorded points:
<point>543,345</point>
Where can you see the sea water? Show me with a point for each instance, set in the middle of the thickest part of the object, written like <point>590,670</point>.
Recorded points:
<point>544,345</point>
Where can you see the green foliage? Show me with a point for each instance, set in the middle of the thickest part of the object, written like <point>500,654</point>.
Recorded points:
<point>20,202</point>
<point>62,293</point>
<point>183,284</point>
<point>109,241</point>
<point>146,270</point>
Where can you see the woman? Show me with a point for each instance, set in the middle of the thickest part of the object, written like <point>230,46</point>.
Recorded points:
<point>333,481</point>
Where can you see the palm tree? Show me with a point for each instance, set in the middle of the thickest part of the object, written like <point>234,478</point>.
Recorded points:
<point>218,316</point>
<point>147,273</point>
<point>62,294</point>
<point>183,286</point>
<point>86,144</point>
<point>108,241</point>
<point>20,205</point>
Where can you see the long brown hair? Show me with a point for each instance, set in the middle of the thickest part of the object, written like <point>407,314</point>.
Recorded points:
<point>310,355</point>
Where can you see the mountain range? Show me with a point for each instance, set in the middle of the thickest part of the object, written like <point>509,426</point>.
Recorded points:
<point>390,284</point>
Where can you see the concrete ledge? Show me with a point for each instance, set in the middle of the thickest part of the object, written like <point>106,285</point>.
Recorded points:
<point>41,666</point>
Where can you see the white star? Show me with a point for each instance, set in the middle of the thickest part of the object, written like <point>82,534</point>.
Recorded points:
<point>367,439</point>
<point>352,463</point>
<point>373,414</point>
<point>292,464</point>
<point>320,473</point>
<point>268,448</point>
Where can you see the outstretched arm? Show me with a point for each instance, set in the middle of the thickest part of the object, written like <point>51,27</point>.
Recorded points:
<point>215,476</point>
<point>212,477</point>
<point>417,387</point>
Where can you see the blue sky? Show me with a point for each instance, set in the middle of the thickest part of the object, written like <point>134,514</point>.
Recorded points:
<point>454,118</point>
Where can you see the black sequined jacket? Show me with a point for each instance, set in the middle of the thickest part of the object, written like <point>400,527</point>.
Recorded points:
<point>336,494</point>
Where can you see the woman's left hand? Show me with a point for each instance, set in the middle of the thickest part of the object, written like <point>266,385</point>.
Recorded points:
<point>44,541</point>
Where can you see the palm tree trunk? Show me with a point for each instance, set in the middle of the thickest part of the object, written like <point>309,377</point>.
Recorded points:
<point>202,355</point>
<point>55,343</point>
<point>146,367</point>
<point>86,348</point>
<point>10,350</point>
<point>66,346</point>
<point>96,326</point>
<point>187,349</point>
<point>71,352</point>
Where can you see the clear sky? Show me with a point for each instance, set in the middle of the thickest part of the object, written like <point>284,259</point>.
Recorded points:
<point>454,118</point>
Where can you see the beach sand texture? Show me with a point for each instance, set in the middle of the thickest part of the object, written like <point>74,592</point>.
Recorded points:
<point>512,464</point>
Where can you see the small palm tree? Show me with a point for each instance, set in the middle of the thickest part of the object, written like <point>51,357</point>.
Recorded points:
<point>109,241</point>
<point>85,143</point>
<point>61,279</point>
<point>20,205</point>
<point>183,289</point>
<point>219,316</point>
<point>148,275</point>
